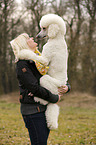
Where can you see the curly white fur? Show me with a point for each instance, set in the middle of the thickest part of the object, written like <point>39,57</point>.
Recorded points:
<point>55,55</point>
<point>49,19</point>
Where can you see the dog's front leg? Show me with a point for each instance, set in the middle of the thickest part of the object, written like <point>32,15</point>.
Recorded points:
<point>30,55</point>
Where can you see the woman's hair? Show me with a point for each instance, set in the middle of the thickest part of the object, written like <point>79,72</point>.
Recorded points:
<point>19,43</point>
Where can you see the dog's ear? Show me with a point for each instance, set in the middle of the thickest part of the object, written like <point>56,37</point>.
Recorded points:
<point>53,29</point>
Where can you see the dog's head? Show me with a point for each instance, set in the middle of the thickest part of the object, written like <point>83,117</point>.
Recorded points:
<point>50,25</point>
<point>43,33</point>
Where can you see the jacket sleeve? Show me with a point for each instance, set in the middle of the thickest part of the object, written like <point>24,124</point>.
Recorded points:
<point>69,87</point>
<point>26,77</point>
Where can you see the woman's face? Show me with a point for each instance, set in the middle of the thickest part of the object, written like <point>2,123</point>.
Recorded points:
<point>31,43</point>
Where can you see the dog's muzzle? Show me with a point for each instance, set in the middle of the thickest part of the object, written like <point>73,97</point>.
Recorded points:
<point>42,34</point>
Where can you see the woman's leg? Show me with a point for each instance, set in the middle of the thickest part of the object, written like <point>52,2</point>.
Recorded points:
<point>37,128</point>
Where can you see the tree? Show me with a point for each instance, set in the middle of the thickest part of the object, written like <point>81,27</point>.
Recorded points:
<point>89,57</point>
<point>7,8</point>
<point>80,17</point>
<point>35,10</point>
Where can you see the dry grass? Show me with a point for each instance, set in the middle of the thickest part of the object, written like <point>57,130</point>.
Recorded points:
<point>77,121</point>
<point>78,99</point>
<point>10,98</point>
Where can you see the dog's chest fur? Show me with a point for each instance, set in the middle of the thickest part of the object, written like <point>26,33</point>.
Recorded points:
<point>56,53</point>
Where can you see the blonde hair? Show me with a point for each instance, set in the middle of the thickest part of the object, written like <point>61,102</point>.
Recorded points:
<point>19,43</point>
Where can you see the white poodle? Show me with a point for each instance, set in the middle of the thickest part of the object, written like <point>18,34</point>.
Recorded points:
<point>54,54</point>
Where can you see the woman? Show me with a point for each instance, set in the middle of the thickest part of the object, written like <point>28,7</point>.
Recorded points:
<point>34,113</point>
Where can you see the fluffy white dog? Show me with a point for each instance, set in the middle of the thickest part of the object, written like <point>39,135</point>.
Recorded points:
<point>54,54</point>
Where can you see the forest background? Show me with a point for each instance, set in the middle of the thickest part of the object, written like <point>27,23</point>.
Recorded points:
<point>17,17</point>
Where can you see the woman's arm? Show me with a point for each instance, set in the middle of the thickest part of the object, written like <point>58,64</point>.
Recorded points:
<point>26,77</point>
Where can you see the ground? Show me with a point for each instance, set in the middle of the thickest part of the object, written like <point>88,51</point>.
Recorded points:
<point>77,121</point>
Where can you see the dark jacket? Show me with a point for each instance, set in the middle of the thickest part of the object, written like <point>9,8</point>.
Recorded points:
<point>28,77</point>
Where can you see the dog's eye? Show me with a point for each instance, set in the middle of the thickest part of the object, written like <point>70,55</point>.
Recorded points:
<point>44,28</point>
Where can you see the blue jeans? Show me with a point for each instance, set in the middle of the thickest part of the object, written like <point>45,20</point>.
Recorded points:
<point>37,128</point>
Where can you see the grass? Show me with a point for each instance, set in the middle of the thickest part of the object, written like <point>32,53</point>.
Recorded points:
<point>76,126</point>
<point>77,121</point>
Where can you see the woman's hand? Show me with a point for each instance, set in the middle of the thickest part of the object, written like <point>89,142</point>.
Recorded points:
<point>62,90</point>
<point>32,44</point>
